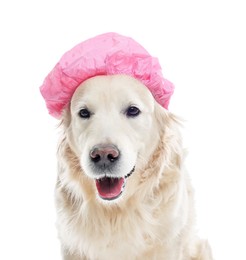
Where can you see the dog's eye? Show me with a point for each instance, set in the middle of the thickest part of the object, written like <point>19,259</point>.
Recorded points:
<point>84,113</point>
<point>132,111</point>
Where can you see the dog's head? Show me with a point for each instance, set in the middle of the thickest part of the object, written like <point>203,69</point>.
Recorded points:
<point>113,127</point>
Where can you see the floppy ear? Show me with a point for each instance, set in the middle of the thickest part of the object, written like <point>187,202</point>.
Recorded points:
<point>64,124</point>
<point>166,118</point>
<point>66,117</point>
<point>170,137</point>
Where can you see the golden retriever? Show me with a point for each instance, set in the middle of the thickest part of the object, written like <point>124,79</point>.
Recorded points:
<point>122,190</point>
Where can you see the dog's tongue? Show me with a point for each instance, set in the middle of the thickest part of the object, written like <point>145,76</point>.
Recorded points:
<point>110,188</point>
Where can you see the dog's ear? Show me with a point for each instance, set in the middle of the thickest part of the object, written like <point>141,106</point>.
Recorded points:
<point>170,137</point>
<point>166,119</point>
<point>66,117</point>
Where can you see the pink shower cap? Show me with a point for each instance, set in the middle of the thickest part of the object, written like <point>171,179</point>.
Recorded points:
<point>106,54</point>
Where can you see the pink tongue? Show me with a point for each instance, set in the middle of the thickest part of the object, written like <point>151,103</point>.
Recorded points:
<point>109,188</point>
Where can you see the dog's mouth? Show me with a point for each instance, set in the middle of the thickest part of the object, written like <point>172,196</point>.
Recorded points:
<point>110,188</point>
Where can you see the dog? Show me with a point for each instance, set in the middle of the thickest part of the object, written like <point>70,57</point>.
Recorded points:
<point>122,189</point>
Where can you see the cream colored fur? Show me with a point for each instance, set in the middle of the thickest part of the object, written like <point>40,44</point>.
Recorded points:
<point>154,217</point>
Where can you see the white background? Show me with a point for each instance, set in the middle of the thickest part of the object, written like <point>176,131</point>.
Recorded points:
<point>201,46</point>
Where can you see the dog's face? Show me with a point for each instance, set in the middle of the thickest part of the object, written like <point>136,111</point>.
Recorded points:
<point>112,130</point>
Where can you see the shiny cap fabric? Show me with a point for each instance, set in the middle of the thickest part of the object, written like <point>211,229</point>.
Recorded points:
<point>106,54</point>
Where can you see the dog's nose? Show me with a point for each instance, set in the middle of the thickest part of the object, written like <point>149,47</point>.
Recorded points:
<point>104,154</point>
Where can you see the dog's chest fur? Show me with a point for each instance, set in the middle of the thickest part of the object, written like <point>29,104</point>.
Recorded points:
<point>144,226</point>
<point>119,234</point>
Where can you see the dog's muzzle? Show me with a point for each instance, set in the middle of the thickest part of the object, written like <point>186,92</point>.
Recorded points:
<point>104,159</point>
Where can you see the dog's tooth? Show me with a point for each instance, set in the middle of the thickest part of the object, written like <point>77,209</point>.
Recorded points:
<point>123,187</point>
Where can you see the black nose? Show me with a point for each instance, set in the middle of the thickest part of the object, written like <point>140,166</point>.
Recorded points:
<point>104,155</point>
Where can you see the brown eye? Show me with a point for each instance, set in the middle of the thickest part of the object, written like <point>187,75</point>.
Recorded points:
<point>84,113</point>
<point>132,111</point>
